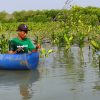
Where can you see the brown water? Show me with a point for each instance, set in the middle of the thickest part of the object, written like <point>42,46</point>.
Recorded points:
<point>61,76</point>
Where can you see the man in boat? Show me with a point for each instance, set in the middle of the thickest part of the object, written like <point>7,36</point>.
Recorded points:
<point>21,44</point>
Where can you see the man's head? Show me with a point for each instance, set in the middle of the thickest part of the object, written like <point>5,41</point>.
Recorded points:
<point>22,30</point>
<point>23,27</point>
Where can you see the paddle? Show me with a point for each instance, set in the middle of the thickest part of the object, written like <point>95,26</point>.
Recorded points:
<point>19,49</point>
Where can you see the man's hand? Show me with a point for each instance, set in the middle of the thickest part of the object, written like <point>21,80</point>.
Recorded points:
<point>38,46</point>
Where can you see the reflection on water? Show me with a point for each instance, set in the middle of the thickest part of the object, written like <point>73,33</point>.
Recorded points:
<point>75,73</point>
<point>22,79</point>
<point>63,75</point>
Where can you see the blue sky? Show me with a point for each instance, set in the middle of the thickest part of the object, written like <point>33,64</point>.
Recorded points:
<point>17,5</point>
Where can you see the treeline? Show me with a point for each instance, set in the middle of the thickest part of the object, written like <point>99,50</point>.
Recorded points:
<point>87,15</point>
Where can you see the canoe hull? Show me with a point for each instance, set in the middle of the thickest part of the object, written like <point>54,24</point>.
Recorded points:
<point>19,61</point>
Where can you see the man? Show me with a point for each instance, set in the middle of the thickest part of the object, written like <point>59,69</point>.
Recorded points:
<point>21,44</point>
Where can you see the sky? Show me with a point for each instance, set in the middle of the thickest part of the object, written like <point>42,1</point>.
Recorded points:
<point>18,5</point>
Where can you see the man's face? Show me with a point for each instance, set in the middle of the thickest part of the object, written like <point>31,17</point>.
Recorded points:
<point>22,34</point>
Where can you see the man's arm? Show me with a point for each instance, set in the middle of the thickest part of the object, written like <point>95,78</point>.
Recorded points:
<point>14,52</point>
<point>11,52</point>
<point>11,48</point>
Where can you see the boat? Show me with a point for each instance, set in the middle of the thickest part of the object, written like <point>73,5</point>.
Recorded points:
<point>19,61</point>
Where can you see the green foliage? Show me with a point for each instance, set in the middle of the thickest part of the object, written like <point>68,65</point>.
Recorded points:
<point>3,44</point>
<point>45,53</point>
<point>80,39</point>
<point>68,41</point>
<point>62,27</point>
<point>88,15</point>
<point>95,44</point>
<point>3,16</point>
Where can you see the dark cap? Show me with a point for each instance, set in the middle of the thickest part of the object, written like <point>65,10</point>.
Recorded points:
<point>22,27</point>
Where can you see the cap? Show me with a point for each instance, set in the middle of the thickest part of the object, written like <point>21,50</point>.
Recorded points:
<point>22,27</point>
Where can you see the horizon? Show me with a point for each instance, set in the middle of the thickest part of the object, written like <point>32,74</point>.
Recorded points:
<point>19,5</point>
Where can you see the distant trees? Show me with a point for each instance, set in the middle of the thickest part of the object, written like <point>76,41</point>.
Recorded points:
<point>3,16</point>
<point>87,15</point>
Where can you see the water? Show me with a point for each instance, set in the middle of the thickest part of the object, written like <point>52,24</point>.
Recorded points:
<point>61,76</point>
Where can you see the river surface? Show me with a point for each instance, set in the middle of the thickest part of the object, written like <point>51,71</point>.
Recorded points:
<point>62,75</point>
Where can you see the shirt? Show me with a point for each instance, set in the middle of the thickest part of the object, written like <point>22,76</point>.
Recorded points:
<point>26,44</point>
